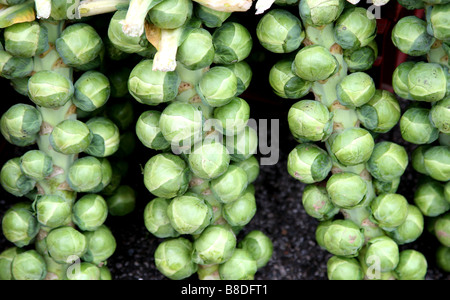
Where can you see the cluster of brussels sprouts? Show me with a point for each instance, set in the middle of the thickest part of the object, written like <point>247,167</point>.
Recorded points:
<point>424,82</point>
<point>70,170</point>
<point>351,173</point>
<point>203,163</point>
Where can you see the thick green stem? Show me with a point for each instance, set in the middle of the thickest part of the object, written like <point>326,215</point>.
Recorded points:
<point>325,91</point>
<point>56,183</point>
<point>343,118</point>
<point>89,8</point>
<point>133,25</point>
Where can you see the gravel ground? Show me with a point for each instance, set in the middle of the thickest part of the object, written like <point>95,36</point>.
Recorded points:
<point>280,214</point>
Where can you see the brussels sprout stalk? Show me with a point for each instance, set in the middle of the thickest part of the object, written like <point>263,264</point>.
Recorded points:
<point>43,8</point>
<point>263,5</point>
<point>165,58</point>
<point>133,25</point>
<point>95,7</point>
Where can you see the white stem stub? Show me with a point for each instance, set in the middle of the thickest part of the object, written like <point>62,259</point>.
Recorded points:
<point>263,5</point>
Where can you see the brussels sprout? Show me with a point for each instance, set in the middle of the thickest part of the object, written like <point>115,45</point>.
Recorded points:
<point>417,158</point>
<point>52,210</point>
<point>234,177</point>
<point>124,42</point>
<point>26,39</point>
<point>314,62</point>
<point>361,59</point>
<point>243,73</point>
<point>19,226</point>
<point>101,245</point>
<point>215,245</point>
<point>232,117</point>
<point>197,50</point>
<point>410,36</point>
<point>189,214</point>
<point>6,258</point>
<point>121,113</point>
<point>427,82</point>
<point>400,79</point>
<point>346,190</point>
<point>317,203</point>
<point>440,115</point>
<point>241,211</point>
<point>429,198</point>
<point>166,175</point>
<point>251,167</point>
<point>355,90</point>
<point>218,86</point>
<point>152,87</point>
<point>308,163</point>
<point>411,229</point>
<point>447,191</point>
<point>352,146</point>
<point>105,273</point>
<point>343,238</point>
<point>389,210</point>
<point>20,124</point>
<point>13,180</point>
<point>412,4</point>
<point>36,164</point>
<point>148,131</point>
<point>279,31</point>
<point>259,246</point>
<point>209,160</point>
<point>355,28</point>
<point>156,219</point>
<point>181,124</point>
<point>106,137</point>
<point>381,113</point>
<point>79,46</point>
<point>323,13</point>
<point>384,252</point>
<point>416,128</point>
<point>12,67</point>
<point>173,259</point>
<point>442,229</point>
<point>321,229</point>
<point>28,265</point>
<point>118,81</point>
<point>285,83</point>
<point>443,258</point>
<point>241,266</point>
<point>343,268</point>
<point>171,14</point>
<point>122,201</point>
<point>437,21</point>
<point>90,212</point>
<point>243,144</point>
<point>208,272</point>
<point>412,265</point>
<point>92,91</point>
<point>211,18</point>
<point>71,137</point>
<point>388,161</point>
<point>436,162</point>
<point>232,43</point>
<point>86,175</point>
<point>50,89</point>
<point>65,243</point>
<point>310,120</point>
<point>84,271</point>
<point>386,187</point>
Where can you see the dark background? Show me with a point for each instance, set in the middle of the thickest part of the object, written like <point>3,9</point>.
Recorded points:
<point>280,214</point>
